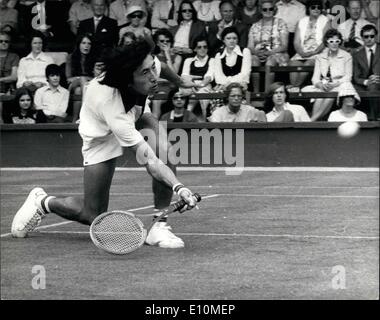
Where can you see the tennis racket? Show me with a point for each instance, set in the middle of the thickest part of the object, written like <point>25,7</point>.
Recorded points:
<point>121,232</point>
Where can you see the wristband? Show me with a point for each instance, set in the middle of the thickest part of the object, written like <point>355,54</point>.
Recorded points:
<point>177,187</point>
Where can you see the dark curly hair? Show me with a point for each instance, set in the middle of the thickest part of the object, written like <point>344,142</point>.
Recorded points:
<point>76,57</point>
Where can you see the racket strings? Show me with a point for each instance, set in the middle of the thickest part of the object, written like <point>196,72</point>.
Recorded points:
<point>118,232</point>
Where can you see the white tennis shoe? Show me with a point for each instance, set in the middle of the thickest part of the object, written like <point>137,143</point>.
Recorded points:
<point>29,216</point>
<point>161,235</point>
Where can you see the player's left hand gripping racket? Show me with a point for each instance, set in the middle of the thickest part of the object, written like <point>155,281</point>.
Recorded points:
<point>121,232</point>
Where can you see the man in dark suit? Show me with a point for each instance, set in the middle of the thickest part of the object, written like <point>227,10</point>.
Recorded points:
<point>103,29</point>
<point>366,68</point>
<point>215,29</point>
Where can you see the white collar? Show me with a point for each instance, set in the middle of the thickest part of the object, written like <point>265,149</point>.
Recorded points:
<point>40,56</point>
<point>274,110</point>
<point>196,58</point>
<point>236,50</point>
<point>186,23</point>
<point>373,48</point>
<point>59,88</point>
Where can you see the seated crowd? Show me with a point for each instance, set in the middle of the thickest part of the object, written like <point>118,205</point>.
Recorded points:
<point>221,45</point>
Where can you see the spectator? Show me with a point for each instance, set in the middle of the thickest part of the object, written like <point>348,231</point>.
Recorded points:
<point>136,15</point>
<point>179,112</point>
<point>290,11</point>
<point>333,68</point>
<point>103,29</point>
<point>200,69</point>
<point>165,53</point>
<point>8,18</point>
<point>371,10</point>
<point>149,9</point>
<point>119,8</point>
<point>234,110</point>
<point>366,65</point>
<point>280,109</point>
<point>80,10</point>
<point>250,13</point>
<point>52,99</point>
<point>165,14</point>
<point>187,30</point>
<point>227,11</point>
<point>308,40</point>
<point>127,38</point>
<point>268,42</point>
<point>350,29</point>
<point>207,10</point>
<point>31,70</point>
<point>23,111</point>
<point>79,70</point>
<point>9,63</point>
<point>348,100</point>
<point>233,64</point>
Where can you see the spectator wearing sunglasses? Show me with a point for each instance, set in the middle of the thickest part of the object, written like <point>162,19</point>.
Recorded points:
<point>333,68</point>
<point>350,29</point>
<point>163,40</point>
<point>9,64</point>
<point>136,16</point>
<point>268,42</point>
<point>178,103</point>
<point>308,40</point>
<point>290,11</point>
<point>200,69</point>
<point>234,109</point>
<point>119,8</point>
<point>366,63</point>
<point>187,30</point>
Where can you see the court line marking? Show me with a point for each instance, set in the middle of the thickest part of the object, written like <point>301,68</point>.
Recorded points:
<point>203,168</point>
<point>204,186</point>
<point>228,194</point>
<point>302,236</point>
<point>131,210</point>
<point>296,196</point>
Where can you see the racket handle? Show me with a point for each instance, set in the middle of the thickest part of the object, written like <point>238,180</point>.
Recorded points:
<point>181,203</point>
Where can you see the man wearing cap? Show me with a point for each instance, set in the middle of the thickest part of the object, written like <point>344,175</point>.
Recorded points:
<point>366,68</point>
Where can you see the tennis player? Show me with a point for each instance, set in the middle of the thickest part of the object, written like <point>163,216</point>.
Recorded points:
<point>112,107</point>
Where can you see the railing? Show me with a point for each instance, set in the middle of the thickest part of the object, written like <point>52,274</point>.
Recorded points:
<point>253,96</point>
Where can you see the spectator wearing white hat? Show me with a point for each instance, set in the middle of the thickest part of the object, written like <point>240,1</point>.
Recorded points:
<point>348,100</point>
<point>119,8</point>
<point>136,16</point>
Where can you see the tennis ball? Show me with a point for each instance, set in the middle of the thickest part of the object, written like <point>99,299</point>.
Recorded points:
<point>348,129</point>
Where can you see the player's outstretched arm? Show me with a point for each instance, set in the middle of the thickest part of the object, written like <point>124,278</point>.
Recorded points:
<point>160,171</point>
